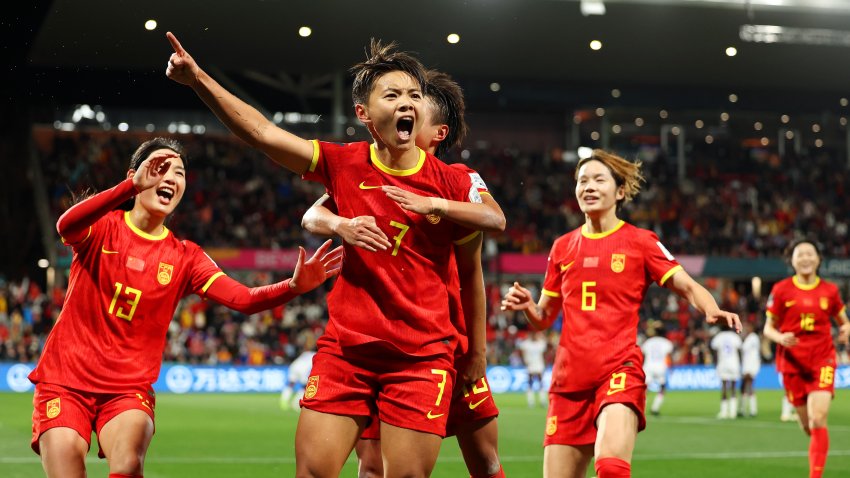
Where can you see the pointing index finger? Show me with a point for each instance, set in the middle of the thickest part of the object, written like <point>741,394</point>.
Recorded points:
<point>178,48</point>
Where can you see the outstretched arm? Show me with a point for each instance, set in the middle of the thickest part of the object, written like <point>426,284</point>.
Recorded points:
<point>307,276</point>
<point>541,315</point>
<point>682,284</point>
<point>486,216</point>
<point>242,119</point>
<point>361,231</point>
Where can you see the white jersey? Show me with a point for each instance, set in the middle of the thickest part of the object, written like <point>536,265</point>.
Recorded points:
<point>299,370</point>
<point>655,353</point>
<point>751,355</point>
<point>532,354</point>
<point>728,346</point>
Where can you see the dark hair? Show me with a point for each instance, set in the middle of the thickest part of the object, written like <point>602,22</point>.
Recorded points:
<point>151,145</point>
<point>450,108</point>
<point>383,59</point>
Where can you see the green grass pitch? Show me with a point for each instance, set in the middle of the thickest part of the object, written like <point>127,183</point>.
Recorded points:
<point>248,435</point>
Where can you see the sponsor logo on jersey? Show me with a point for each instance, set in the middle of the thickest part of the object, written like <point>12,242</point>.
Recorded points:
<point>618,262</point>
<point>312,387</point>
<point>163,275</point>
<point>551,425</point>
<point>53,408</point>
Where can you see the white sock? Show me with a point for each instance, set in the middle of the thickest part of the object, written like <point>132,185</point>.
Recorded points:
<point>542,396</point>
<point>754,407</point>
<point>529,395</point>
<point>733,407</point>
<point>285,396</point>
<point>724,408</point>
<point>657,401</point>
<point>786,407</point>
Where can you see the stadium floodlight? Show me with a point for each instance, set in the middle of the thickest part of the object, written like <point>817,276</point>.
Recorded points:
<point>592,7</point>
<point>793,35</point>
<point>584,152</point>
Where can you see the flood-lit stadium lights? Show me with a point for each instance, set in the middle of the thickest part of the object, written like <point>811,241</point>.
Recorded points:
<point>584,152</point>
<point>494,87</point>
<point>615,93</point>
<point>595,45</point>
<point>731,51</point>
<point>699,124</point>
<point>663,114</point>
<point>592,7</point>
<point>638,121</point>
<point>43,263</point>
<point>816,128</point>
<point>819,143</point>
<point>724,116</point>
<point>594,136</point>
<point>616,129</point>
<point>785,119</point>
<point>150,127</point>
<point>122,126</point>
<point>82,111</point>
<point>843,101</point>
<point>709,139</point>
<point>150,25</point>
<point>765,141</point>
<point>600,112</point>
<point>464,154</point>
<point>793,35</point>
<point>305,31</point>
<point>733,98</point>
<point>675,131</point>
<point>349,131</point>
<point>842,121</point>
<point>577,119</point>
<point>789,134</point>
<point>453,38</point>
<point>757,126</point>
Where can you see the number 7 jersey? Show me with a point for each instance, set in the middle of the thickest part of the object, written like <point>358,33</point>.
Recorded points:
<point>601,280</point>
<point>122,292</point>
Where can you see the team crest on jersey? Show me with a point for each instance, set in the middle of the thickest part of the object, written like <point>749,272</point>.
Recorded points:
<point>551,425</point>
<point>824,303</point>
<point>618,262</point>
<point>163,275</point>
<point>53,408</point>
<point>433,218</point>
<point>312,387</point>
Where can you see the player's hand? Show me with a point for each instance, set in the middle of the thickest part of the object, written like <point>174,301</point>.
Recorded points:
<point>471,367</point>
<point>410,201</point>
<point>844,333</point>
<point>788,339</point>
<point>151,171</point>
<point>730,318</point>
<point>312,272</point>
<point>363,232</point>
<point>517,298</point>
<point>181,66</point>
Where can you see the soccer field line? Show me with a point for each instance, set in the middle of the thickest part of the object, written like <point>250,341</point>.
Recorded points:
<point>258,460</point>
<point>740,423</point>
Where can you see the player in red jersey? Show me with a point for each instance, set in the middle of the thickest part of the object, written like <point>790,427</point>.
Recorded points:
<point>798,320</point>
<point>598,276</point>
<point>127,276</point>
<point>389,342</point>
<point>472,417</point>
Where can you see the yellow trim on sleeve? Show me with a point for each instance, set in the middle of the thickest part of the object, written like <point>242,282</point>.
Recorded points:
<point>550,293</point>
<point>769,314</point>
<point>373,155</point>
<point>142,233</point>
<point>485,192</point>
<point>468,238</point>
<point>669,274</point>
<point>315,161</point>
<point>88,235</point>
<point>802,286</point>
<point>843,309</point>
<point>212,279</point>
<point>600,235</point>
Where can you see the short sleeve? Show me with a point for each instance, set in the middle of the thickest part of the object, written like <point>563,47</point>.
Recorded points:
<point>318,170</point>
<point>554,273</point>
<point>775,306</point>
<point>659,263</point>
<point>203,270</point>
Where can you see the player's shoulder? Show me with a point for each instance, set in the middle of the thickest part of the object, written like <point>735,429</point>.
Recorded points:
<point>638,233</point>
<point>343,150</point>
<point>828,286</point>
<point>463,168</point>
<point>783,285</point>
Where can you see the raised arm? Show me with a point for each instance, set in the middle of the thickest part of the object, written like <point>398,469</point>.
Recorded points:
<point>361,231</point>
<point>684,285</point>
<point>540,316</point>
<point>468,256</point>
<point>242,119</point>
<point>307,276</point>
<point>486,216</point>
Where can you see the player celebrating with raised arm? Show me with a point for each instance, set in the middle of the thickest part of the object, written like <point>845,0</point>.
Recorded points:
<point>388,346</point>
<point>472,416</point>
<point>798,320</point>
<point>128,274</point>
<point>598,276</point>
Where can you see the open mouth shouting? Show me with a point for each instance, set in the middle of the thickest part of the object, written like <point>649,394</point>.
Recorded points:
<point>404,127</point>
<point>165,194</point>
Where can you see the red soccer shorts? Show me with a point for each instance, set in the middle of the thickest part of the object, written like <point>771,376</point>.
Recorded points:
<point>572,415</point>
<point>57,406</point>
<point>798,386</point>
<point>413,393</point>
<point>472,404</point>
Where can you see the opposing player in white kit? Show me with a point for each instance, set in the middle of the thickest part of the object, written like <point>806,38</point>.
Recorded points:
<point>533,348</point>
<point>727,346</point>
<point>299,374</point>
<point>751,358</point>
<point>656,357</point>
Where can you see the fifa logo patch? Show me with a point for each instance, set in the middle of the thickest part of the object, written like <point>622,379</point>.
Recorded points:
<point>551,425</point>
<point>53,408</point>
<point>312,387</point>
<point>433,218</point>
<point>618,262</point>
<point>163,275</point>
<point>824,303</point>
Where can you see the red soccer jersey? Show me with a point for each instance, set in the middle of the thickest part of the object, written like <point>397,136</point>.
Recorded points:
<point>804,310</point>
<point>397,299</point>
<point>122,292</point>
<point>601,280</point>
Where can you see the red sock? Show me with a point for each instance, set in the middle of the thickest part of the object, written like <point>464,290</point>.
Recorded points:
<point>121,475</point>
<point>498,474</point>
<point>613,468</point>
<point>818,448</point>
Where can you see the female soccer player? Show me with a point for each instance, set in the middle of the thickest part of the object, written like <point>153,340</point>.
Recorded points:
<point>598,276</point>
<point>128,274</point>
<point>798,313</point>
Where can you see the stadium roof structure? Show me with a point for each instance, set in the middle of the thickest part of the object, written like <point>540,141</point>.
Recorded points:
<point>781,46</point>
